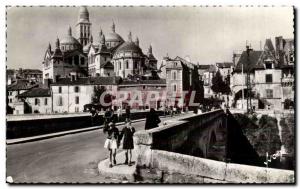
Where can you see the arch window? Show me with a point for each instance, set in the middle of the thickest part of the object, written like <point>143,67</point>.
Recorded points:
<point>82,61</point>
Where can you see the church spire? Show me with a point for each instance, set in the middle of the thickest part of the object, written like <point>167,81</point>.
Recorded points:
<point>102,40</point>
<point>137,41</point>
<point>150,50</point>
<point>57,43</point>
<point>113,27</point>
<point>49,47</point>
<point>91,39</point>
<point>130,37</point>
<point>70,31</point>
<point>101,32</point>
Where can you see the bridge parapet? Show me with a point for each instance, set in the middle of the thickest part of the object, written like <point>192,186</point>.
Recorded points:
<point>161,152</point>
<point>176,136</point>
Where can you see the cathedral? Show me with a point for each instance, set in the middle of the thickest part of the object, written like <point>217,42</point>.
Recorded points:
<point>110,55</point>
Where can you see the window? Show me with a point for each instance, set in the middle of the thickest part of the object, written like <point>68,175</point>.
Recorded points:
<point>268,65</point>
<point>174,75</point>
<point>77,100</point>
<point>59,90</point>
<point>269,78</point>
<point>120,65</point>
<point>36,101</point>
<point>269,93</point>
<point>76,89</point>
<point>135,65</point>
<point>46,101</point>
<point>174,88</point>
<point>127,65</point>
<point>10,100</point>
<point>60,101</point>
<point>82,61</point>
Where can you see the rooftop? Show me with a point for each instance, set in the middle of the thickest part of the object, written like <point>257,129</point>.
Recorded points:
<point>36,92</point>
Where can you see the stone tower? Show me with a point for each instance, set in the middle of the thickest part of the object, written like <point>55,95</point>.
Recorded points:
<point>83,26</point>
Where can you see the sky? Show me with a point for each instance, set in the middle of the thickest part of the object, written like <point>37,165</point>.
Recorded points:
<point>205,35</point>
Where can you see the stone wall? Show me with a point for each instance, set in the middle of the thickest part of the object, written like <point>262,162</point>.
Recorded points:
<point>33,125</point>
<point>158,159</point>
<point>170,167</point>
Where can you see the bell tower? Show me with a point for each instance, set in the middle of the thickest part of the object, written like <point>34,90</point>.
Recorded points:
<point>83,26</point>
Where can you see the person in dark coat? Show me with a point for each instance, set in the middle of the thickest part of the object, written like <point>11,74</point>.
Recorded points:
<point>127,112</point>
<point>127,132</point>
<point>152,120</point>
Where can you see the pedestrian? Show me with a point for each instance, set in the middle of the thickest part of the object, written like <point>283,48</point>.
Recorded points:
<point>119,113</point>
<point>111,142</point>
<point>152,120</point>
<point>93,115</point>
<point>127,132</point>
<point>108,116</point>
<point>174,110</point>
<point>128,116</point>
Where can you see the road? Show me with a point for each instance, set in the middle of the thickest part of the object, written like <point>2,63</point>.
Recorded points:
<point>71,158</point>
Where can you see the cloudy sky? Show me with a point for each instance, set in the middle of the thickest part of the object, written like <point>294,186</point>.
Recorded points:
<point>204,34</point>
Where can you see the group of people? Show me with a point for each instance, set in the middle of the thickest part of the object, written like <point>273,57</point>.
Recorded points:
<point>113,141</point>
<point>115,138</point>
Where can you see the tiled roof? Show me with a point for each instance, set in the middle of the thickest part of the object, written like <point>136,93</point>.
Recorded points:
<point>21,85</point>
<point>36,92</point>
<point>144,82</point>
<point>254,57</point>
<point>224,64</point>
<point>107,65</point>
<point>203,67</point>
<point>89,81</point>
<point>31,71</point>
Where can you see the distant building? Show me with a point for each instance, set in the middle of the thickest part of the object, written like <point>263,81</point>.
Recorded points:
<point>271,80</point>
<point>225,69</point>
<point>206,74</point>
<point>32,75</point>
<point>181,75</point>
<point>145,87</point>
<point>37,100</point>
<point>70,96</point>
<point>14,90</point>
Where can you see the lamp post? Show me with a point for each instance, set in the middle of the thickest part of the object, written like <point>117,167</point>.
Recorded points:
<point>249,104</point>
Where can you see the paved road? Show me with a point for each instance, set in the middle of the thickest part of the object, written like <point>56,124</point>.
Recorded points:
<point>71,158</point>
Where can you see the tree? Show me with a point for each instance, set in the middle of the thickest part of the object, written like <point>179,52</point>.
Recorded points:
<point>219,85</point>
<point>98,92</point>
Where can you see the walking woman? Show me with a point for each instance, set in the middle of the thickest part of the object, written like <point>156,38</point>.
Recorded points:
<point>127,132</point>
<point>111,142</point>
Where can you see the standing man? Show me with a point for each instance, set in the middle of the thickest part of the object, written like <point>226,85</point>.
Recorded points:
<point>127,111</point>
<point>119,113</point>
<point>152,120</point>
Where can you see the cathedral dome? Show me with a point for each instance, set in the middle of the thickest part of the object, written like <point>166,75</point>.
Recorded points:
<point>129,47</point>
<point>83,15</point>
<point>114,37</point>
<point>69,40</point>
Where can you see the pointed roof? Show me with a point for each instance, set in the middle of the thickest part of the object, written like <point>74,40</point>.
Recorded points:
<point>83,16</point>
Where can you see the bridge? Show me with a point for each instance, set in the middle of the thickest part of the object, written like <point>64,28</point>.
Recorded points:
<point>190,148</point>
